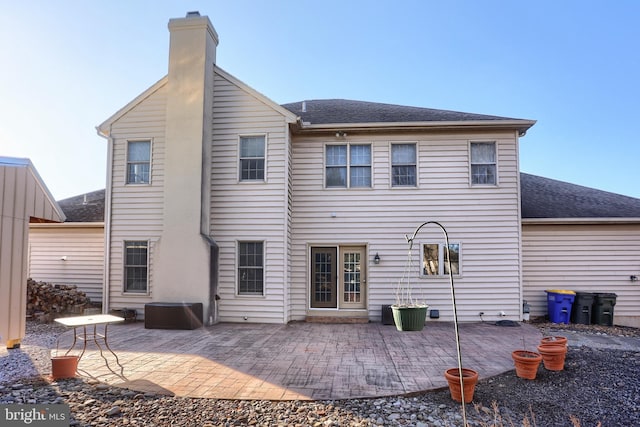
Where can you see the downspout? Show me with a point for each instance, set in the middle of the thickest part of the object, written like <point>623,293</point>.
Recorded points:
<point>286,315</point>
<point>107,223</point>
<point>520,231</point>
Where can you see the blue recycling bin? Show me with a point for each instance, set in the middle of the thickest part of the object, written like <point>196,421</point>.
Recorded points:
<point>559,302</point>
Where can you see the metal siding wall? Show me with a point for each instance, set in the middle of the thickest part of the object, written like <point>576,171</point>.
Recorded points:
<point>22,196</point>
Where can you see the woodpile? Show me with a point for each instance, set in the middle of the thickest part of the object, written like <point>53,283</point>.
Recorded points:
<point>46,301</point>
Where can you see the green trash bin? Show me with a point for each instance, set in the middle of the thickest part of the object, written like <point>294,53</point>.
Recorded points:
<point>603,309</point>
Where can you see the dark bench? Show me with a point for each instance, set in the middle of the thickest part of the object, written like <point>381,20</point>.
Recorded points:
<point>173,315</point>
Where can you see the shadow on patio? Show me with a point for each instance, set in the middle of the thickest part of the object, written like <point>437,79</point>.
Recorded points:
<point>301,360</point>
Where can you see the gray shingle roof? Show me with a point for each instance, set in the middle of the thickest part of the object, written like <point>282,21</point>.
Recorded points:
<point>85,207</point>
<point>548,198</point>
<point>343,111</point>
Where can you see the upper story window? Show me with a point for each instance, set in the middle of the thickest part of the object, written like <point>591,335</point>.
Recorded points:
<point>435,260</point>
<point>348,165</point>
<point>252,158</point>
<point>138,162</point>
<point>250,268</point>
<point>483,163</point>
<point>136,262</point>
<point>403,165</point>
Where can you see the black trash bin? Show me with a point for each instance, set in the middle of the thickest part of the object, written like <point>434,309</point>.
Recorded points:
<point>582,308</point>
<point>603,309</point>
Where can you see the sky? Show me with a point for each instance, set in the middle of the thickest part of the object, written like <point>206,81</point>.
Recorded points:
<point>572,65</point>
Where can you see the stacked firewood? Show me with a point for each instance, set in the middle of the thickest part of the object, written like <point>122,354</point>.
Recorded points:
<point>48,299</point>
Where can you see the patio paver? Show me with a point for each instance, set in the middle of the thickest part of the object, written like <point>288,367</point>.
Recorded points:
<point>301,360</point>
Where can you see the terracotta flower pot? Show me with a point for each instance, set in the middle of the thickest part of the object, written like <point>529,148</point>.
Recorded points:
<point>64,366</point>
<point>527,363</point>
<point>554,341</point>
<point>553,356</point>
<point>469,381</point>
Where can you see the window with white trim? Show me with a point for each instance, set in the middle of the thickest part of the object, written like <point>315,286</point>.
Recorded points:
<point>138,162</point>
<point>435,261</point>
<point>348,166</point>
<point>136,266</point>
<point>250,268</point>
<point>252,158</point>
<point>483,163</point>
<point>403,165</point>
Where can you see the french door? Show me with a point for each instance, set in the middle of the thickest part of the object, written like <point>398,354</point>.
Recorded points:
<point>338,277</point>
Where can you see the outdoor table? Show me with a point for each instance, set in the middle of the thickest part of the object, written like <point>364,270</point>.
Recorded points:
<point>80,333</point>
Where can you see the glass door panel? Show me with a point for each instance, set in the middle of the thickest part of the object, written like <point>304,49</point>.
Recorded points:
<point>353,277</point>
<point>324,278</point>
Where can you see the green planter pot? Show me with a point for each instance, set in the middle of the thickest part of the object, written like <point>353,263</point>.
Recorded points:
<point>409,318</point>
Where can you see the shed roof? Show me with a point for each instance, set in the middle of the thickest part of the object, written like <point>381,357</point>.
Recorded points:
<point>548,198</point>
<point>24,181</point>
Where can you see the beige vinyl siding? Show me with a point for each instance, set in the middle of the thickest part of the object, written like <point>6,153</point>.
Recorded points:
<point>82,244</point>
<point>484,220</point>
<point>587,258</point>
<point>248,211</point>
<point>136,209</point>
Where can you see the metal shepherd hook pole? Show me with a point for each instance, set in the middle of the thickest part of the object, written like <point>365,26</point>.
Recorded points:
<point>455,310</point>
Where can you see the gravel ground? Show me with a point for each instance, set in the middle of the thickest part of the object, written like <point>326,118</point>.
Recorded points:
<point>598,386</point>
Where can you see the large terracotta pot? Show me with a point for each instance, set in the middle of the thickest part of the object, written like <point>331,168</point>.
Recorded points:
<point>527,363</point>
<point>553,356</point>
<point>64,366</point>
<point>469,381</point>
<point>554,341</point>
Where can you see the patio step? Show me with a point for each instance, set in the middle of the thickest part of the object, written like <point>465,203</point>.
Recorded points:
<point>332,319</point>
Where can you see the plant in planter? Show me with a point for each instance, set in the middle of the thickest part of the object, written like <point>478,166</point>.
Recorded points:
<point>409,313</point>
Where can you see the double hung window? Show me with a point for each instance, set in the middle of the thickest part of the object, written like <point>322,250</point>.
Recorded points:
<point>347,166</point>
<point>136,266</point>
<point>403,165</point>
<point>138,162</point>
<point>483,163</point>
<point>250,268</point>
<point>252,158</point>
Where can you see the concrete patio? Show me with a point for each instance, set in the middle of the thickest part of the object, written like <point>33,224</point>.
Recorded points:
<point>299,360</point>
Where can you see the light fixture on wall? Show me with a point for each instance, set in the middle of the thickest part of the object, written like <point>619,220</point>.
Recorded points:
<point>633,278</point>
<point>341,134</point>
<point>63,258</point>
<point>376,259</point>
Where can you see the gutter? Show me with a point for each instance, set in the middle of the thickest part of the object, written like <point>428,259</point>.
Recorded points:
<point>59,225</point>
<point>521,125</point>
<point>107,222</point>
<point>579,221</point>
